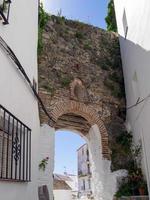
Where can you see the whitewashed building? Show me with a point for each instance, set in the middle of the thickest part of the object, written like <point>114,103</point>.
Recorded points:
<point>65,187</point>
<point>134,34</point>
<point>20,153</point>
<point>84,172</point>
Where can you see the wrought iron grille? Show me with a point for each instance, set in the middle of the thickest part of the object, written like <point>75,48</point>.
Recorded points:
<point>15,148</point>
<point>5,10</point>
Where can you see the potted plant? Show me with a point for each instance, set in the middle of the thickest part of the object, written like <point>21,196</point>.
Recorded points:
<point>142,187</point>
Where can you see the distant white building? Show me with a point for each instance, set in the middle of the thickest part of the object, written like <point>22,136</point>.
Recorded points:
<point>84,172</point>
<point>65,187</point>
<point>133,21</point>
<point>73,184</point>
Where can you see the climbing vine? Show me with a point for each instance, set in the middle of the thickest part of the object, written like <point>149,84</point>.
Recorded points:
<point>111,18</point>
<point>43,18</point>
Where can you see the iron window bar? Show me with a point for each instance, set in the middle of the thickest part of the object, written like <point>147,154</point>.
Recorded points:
<point>5,10</point>
<point>15,148</point>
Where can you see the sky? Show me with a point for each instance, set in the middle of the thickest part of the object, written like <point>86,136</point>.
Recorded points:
<point>91,12</point>
<point>66,145</point>
<point>88,11</point>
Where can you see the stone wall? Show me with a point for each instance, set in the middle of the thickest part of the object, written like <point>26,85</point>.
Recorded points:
<point>80,67</point>
<point>81,83</point>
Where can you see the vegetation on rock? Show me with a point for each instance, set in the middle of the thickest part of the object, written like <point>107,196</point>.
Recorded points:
<point>129,157</point>
<point>43,18</point>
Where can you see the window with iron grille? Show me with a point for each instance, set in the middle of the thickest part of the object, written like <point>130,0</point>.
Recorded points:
<point>15,148</point>
<point>4,11</point>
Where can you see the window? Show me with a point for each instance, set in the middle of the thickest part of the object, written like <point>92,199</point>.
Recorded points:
<point>82,151</point>
<point>15,148</point>
<point>83,187</point>
<point>89,171</point>
<point>89,182</point>
<point>125,24</point>
<point>5,10</point>
<point>87,153</point>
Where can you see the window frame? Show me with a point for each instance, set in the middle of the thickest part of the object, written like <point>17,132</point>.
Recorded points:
<point>15,150</point>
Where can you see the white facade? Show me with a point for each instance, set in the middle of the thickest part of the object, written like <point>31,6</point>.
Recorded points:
<point>133,23</point>
<point>16,96</point>
<point>84,172</point>
<point>62,195</point>
<point>65,184</point>
<point>46,149</point>
<point>73,184</point>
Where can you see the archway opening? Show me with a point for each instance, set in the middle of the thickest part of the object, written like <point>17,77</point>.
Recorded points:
<point>100,174</point>
<point>72,176</point>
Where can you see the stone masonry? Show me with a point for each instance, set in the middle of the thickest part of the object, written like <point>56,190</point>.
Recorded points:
<point>80,78</point>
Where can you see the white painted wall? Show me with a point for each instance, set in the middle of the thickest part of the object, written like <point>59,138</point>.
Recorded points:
<point>135,52</point>
<point>62,195</point>
<point>103,181</point>
<point>46,149</point>
<point>73,183</point>
<point>15,95</point>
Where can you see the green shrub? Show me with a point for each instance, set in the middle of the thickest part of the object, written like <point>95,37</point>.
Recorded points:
<point>60,20</point>
<point>125,139</point>
<point>111,18</point>
<point>124,190</point>
<point>43,18</point>
<point>87,46</point>
<point>48,88</point>
<point>117,89</point>
<point>108,83</point>
<point>101,62</point>
<point>116,76</point>
<point>104,66</point>
<point>79,35</point>
<point>65,81</point>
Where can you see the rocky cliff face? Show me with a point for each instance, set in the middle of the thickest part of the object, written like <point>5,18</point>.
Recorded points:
<point>73,50</point>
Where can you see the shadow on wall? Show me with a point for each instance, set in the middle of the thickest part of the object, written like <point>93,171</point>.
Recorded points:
<point>134,58</point>
<point>136,69</point>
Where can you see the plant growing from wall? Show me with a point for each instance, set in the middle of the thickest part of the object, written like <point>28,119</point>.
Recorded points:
<point>111,18</point>
<point>43,18</point>
<point>79,35</point>
<point>43,163</point>
<point>65,81</point>
<point>132,184</point>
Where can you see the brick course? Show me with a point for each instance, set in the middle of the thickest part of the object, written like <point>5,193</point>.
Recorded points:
<point>87,112</point>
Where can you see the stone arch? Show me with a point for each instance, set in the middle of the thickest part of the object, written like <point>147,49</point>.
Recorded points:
<point>88,113</point>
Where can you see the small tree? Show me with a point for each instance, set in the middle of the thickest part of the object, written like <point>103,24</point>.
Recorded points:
<point>111,18</point>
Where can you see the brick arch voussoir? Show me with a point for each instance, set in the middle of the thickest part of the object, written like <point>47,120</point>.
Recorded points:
<point>87,112</point>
